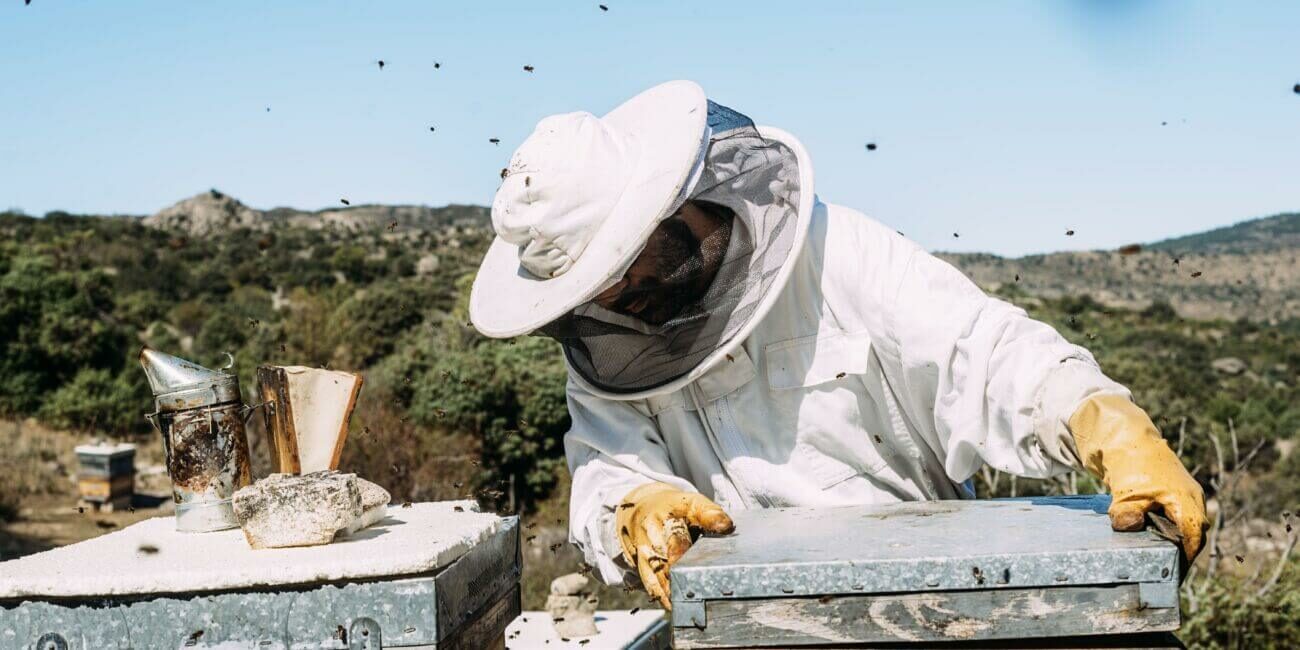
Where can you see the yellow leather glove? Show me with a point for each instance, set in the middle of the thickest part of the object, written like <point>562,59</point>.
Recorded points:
<point>655,522</point>
<point>1120,445</point>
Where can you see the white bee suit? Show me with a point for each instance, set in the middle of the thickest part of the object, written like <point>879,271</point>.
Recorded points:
<point>879,374</point>
<point>829,362</point>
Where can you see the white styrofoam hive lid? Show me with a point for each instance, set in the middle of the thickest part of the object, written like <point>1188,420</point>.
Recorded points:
<point>418,539</point>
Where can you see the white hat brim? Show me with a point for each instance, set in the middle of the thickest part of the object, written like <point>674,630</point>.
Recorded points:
<point>668,123</point>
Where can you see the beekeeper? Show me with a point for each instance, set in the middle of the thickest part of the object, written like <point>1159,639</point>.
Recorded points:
<point>734,342</point>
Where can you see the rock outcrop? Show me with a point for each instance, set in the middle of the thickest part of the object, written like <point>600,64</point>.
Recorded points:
<point>1229,365</point>
<point>204,214</point>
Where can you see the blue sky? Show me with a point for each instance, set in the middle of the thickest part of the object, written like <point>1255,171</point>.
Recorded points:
<point>1007,122</point>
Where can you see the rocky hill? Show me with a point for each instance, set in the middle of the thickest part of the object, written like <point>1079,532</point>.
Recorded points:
<point>1249,270</point>
<point>1279,232</point>
<point>213,212</point>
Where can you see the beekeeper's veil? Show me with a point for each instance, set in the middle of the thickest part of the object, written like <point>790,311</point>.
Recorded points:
<point>760,176</point>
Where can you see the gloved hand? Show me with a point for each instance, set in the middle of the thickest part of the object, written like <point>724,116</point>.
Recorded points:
<point>655,522</point>
<point>1120,445</point>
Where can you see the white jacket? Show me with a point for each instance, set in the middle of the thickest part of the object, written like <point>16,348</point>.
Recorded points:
<point>881,374</point>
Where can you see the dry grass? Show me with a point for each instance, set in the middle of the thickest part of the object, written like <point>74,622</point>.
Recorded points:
<point>34,461</point>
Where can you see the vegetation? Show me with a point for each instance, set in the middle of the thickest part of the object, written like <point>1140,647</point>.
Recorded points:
<point>446,413</point>
<point>1248,270</point>
<point>1246,236</point>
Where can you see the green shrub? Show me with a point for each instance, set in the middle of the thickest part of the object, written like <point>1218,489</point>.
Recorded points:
<point>97,400</point>
<point>1232,615</point>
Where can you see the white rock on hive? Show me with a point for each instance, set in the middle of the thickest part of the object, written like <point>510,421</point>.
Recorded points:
<point>286,510</point>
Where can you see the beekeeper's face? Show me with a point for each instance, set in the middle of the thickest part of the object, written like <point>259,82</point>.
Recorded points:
<point>675,268</point>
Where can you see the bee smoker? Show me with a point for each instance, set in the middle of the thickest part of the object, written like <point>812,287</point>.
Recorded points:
<point>201,417</point>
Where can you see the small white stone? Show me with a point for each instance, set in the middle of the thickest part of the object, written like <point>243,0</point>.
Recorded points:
<point>572,607</point>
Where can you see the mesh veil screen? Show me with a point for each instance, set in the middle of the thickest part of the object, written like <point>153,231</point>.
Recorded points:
<point>758,180</point>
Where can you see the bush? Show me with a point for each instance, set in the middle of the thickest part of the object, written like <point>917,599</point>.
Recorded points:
<point>98,400</point>
<point>1231,615</point>
<point>53,324</point>
<point>511,397</point>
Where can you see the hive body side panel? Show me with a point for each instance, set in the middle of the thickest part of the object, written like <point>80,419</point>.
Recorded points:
<point>922,618</point>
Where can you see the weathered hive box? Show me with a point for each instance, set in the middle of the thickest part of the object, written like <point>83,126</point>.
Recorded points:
<point>106,474</point>
<point>925,573</point>
<point>432,575</point>
<point>646,629</point>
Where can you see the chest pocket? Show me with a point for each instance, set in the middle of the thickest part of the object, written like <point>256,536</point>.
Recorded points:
<point>813,360</point>
<point>821,382</point>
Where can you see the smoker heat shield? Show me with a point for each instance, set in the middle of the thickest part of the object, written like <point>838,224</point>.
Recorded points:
<point>923,573</point>
<point>178,384</point>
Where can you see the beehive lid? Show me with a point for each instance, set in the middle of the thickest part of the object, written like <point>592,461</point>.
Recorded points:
<point>151,557</point>
<point>920,547</point>
<point>105,449</point>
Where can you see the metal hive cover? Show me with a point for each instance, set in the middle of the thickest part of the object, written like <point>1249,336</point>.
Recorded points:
<point>919,547</point>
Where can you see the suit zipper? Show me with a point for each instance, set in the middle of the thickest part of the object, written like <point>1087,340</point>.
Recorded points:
<point>733,441</point>
<point>723,446</point>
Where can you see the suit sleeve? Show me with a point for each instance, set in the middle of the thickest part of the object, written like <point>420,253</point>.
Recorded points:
<point>997,385</point>
<point>611,448</point>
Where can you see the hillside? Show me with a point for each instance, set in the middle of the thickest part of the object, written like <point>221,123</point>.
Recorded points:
<point>446,413</point>
<point>213,212</point>
<point>1250,270</point>
<point>1252,236</point>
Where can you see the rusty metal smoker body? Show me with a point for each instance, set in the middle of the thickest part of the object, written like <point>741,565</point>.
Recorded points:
<point>200,415</point>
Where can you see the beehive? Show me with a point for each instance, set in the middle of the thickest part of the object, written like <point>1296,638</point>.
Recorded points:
<point>926,573</point>
<point>106,474</point>
<point>431,575</point>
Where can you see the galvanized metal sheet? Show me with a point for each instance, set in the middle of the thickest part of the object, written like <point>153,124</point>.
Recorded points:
<point>402,611</point>
<point>929,619</point>
<point>918,547</point>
